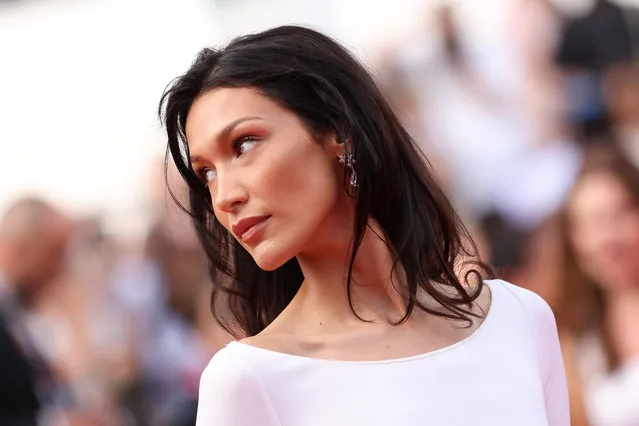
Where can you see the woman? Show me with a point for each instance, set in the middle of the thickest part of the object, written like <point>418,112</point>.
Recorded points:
<point>340,257</point>
<point>599,312</point>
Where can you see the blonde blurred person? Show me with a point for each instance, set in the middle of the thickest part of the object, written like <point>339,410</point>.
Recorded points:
<point>61,359</point>
<point>598,307</point>
<point>33,240</point>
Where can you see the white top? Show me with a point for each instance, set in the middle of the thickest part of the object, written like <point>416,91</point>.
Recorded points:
<point>508,372</point>
<point>610,396</point>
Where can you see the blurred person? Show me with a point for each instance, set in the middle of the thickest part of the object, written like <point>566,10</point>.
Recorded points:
<point>505,243</point>
<point>621,91</point>
<point>160,293</point>
<point>605,37</point>
<point>348,274</point>
<point>536,182</point>
<point>395,86</point>
<point>541,260</point>
<point>468,98</point>
<point>522,225</point>
<point>535,27</point>
<point>598,308</point>
<point>95,337</point>
<point>33,239</point>
<point>159,289</point>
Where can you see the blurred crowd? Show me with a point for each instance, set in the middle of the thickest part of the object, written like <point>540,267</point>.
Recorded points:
<point>536,139</point>
<point>99,331</point>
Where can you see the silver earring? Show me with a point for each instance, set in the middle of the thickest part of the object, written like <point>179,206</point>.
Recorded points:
<point>349,161</point>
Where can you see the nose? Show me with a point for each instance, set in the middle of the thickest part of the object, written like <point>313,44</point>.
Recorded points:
<point>229,192</point>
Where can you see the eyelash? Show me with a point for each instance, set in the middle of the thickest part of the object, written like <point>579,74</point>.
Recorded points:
<point>238,142</point>
<point>201,173</point>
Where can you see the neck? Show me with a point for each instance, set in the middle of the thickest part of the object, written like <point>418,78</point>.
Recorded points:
<point>323,299</point>
<point>628,298</point>
<point>622,318</point>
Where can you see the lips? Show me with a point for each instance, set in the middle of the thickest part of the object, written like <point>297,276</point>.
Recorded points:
<point>247,229</point>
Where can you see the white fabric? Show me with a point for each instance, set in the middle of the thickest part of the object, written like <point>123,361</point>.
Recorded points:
<point>612,401</point>
<point>508,372</point>
<point>610,396</point>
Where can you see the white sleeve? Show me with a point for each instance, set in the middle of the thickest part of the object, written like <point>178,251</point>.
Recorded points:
<point>232,395</point>
<point>613,401</point>
<point>552,364</point>
<point>549,354</point>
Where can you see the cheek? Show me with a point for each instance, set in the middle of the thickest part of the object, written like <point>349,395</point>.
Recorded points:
<point>297,184</point>
<point>630,235</point>
<point>222,218</point>
<point>300,191</point>
<point>581,238</point>
<point>588,251</point>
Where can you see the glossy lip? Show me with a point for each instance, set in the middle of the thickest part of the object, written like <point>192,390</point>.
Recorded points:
<point>246,229</point>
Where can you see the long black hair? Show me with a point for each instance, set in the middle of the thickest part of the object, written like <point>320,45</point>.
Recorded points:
<point>313,76</point>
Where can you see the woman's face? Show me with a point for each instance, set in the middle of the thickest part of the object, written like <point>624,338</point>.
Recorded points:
<point>273,186</point>
<point>604,218</point>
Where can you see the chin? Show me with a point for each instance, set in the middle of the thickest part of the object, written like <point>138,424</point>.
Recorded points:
<point>269,257</point>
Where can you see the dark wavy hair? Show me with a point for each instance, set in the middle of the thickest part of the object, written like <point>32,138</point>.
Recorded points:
<point>313,76</point>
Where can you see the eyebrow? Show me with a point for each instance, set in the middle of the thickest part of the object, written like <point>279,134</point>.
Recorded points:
<point>228,129</point>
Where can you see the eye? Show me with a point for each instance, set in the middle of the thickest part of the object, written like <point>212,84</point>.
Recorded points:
<point>207,175</point>
<point>245,144</point>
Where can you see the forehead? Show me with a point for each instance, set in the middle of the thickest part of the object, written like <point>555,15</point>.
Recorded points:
<point>598,191</point>
<point>215,109</point>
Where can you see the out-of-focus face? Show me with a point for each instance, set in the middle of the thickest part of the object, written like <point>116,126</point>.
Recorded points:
<point>622,93</point>
<point>273,186</point>
<point>604,218</point>
<point>39,260</point>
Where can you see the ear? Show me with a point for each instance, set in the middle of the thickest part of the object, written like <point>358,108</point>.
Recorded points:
<point>334,146</point>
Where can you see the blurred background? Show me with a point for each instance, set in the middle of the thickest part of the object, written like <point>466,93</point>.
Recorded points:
<point>527,109</point>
